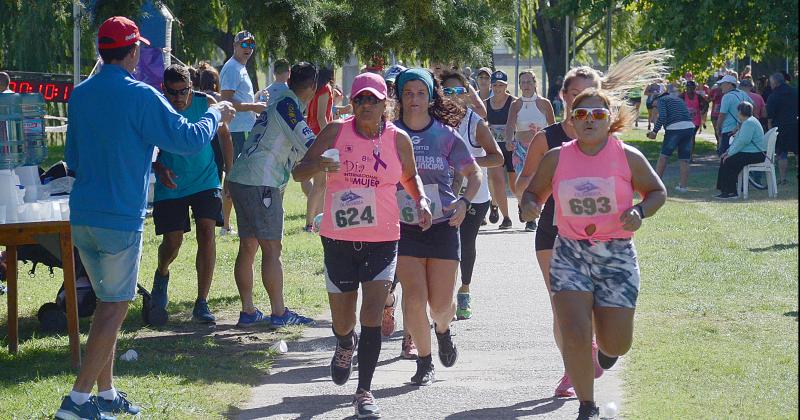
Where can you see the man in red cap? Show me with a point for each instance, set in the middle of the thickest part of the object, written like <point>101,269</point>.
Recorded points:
<point>115,122</point>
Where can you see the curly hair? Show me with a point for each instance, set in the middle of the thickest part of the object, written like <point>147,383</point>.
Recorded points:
<point>443,109</point>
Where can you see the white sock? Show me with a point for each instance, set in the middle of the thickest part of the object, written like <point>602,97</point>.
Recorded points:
<point>79,398</point>
<point>109,395</point>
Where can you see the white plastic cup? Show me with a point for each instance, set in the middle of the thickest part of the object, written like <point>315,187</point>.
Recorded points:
<point>280,347</point>
<point>36,211</point>
<point>64,207</point>
<point>45,211</point>
<point>331,154</point>
<point>55,210</point>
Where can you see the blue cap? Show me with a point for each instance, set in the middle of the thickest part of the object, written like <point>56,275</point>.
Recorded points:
<point>392,73</point>
<point>500,76</point>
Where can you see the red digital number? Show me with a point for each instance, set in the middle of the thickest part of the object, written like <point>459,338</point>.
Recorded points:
<point>50,91</point>
<point>25,87</point>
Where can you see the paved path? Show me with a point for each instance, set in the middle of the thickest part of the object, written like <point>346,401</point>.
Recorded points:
<point>508,362</point>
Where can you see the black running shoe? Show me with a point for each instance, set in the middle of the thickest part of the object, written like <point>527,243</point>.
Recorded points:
<point>448,353</point>
<point>425,372</point>
<point>530,226</point>
<point>365,405</point>
<point>506,224</point>
<point>726,196</point>
<point>606,362</point>
<point>588,411</point>
<point>494,215</point>
<point>342,363</point>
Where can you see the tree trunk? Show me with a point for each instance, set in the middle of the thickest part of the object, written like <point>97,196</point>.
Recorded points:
<point>550,33</point>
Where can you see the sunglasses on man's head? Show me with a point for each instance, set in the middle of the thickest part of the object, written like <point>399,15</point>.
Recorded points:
<point>251,45</point>
<point>596,114</point>
<point>366,99</point>
<point>454,90</point>
<point>179,92</point>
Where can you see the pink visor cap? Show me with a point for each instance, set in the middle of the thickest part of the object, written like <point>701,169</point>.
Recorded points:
<point>369,82</point>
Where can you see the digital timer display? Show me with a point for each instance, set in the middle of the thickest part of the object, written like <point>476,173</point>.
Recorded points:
<point>54,87</point>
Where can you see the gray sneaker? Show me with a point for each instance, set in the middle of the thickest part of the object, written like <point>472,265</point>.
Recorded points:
<point>365,405</point>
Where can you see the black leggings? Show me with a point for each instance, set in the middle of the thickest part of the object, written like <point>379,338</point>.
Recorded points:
<point>729,170</point>
<point>469,232</point>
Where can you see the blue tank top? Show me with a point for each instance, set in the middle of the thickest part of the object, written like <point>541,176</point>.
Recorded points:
<point>195,173</point>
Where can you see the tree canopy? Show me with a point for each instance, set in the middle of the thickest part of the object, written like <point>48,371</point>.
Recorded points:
<point>702,33</point>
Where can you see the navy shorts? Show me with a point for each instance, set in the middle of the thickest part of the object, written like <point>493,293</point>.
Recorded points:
<point>348,264</point>
<point>173,215</point>
<point>680,140</point>
<point>441,241</point>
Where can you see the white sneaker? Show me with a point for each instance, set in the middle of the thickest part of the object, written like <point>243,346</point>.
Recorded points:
<point>680,189</point>
<point>223,232</point>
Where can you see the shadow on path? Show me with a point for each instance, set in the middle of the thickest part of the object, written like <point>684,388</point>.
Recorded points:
<point>527,408</point>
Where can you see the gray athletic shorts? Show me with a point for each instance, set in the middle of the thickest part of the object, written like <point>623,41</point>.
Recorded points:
<point>259,211</point>
<point>608,270</point>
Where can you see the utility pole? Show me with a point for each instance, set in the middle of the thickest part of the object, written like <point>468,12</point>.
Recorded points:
<point>76,42</point>
<point>608,34</point>
<point>516,66</point>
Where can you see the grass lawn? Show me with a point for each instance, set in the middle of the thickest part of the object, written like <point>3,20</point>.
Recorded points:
<point>184,370</point>
<point>716,332</point>
<point>716,325</point>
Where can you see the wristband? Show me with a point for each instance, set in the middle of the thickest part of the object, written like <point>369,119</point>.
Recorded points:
<point>638,207</point>
<point>465,200</point>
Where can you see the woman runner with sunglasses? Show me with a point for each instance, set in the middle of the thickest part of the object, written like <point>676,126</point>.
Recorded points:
<point>528,115</point>
<point>428,259</point>
<point>594,274</point>
<point>476,136</point>
<point>625,73</point>
<point>360,227</point>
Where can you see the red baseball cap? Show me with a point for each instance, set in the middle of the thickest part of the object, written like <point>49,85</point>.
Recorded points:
<point>118,32</point>
<point>369,82</point>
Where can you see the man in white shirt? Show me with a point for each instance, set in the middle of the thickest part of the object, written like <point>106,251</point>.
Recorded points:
<point>237,88</point>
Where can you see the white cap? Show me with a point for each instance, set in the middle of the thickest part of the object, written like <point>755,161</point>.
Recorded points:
<point>727,79</point>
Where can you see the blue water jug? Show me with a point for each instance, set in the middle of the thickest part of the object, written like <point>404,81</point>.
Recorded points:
<point>12,140</point>
<point>33,127</point>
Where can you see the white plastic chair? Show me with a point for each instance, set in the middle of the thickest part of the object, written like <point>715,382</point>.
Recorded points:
<point>767,166</point>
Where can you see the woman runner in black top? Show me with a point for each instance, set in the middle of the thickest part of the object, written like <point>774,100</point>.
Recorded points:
<point>497,115</point>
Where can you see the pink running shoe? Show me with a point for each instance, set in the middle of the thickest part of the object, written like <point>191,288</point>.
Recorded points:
<point>564,388</point>
<point>598,371</point>
<point>409,350</point>
<point>388,322</point>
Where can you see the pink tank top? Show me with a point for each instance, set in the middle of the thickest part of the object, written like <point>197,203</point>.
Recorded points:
<point>360,200</point>
<point>693,105</point>
<point>591,192</point>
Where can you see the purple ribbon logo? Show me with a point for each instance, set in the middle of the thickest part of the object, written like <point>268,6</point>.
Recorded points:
<point>378,161</point>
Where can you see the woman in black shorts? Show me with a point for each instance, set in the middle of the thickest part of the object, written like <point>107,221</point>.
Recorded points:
<point>497,115</point>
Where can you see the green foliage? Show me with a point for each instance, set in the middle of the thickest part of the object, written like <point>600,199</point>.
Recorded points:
<point>311,30</point>
<point>708,33</point>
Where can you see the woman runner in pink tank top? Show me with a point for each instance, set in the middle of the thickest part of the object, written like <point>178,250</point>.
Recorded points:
<point>360,225</point>
<point>594,272</point>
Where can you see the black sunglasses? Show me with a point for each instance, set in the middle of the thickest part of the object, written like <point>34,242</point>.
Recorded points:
<point>366,99</point>
<point>180,92</point>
